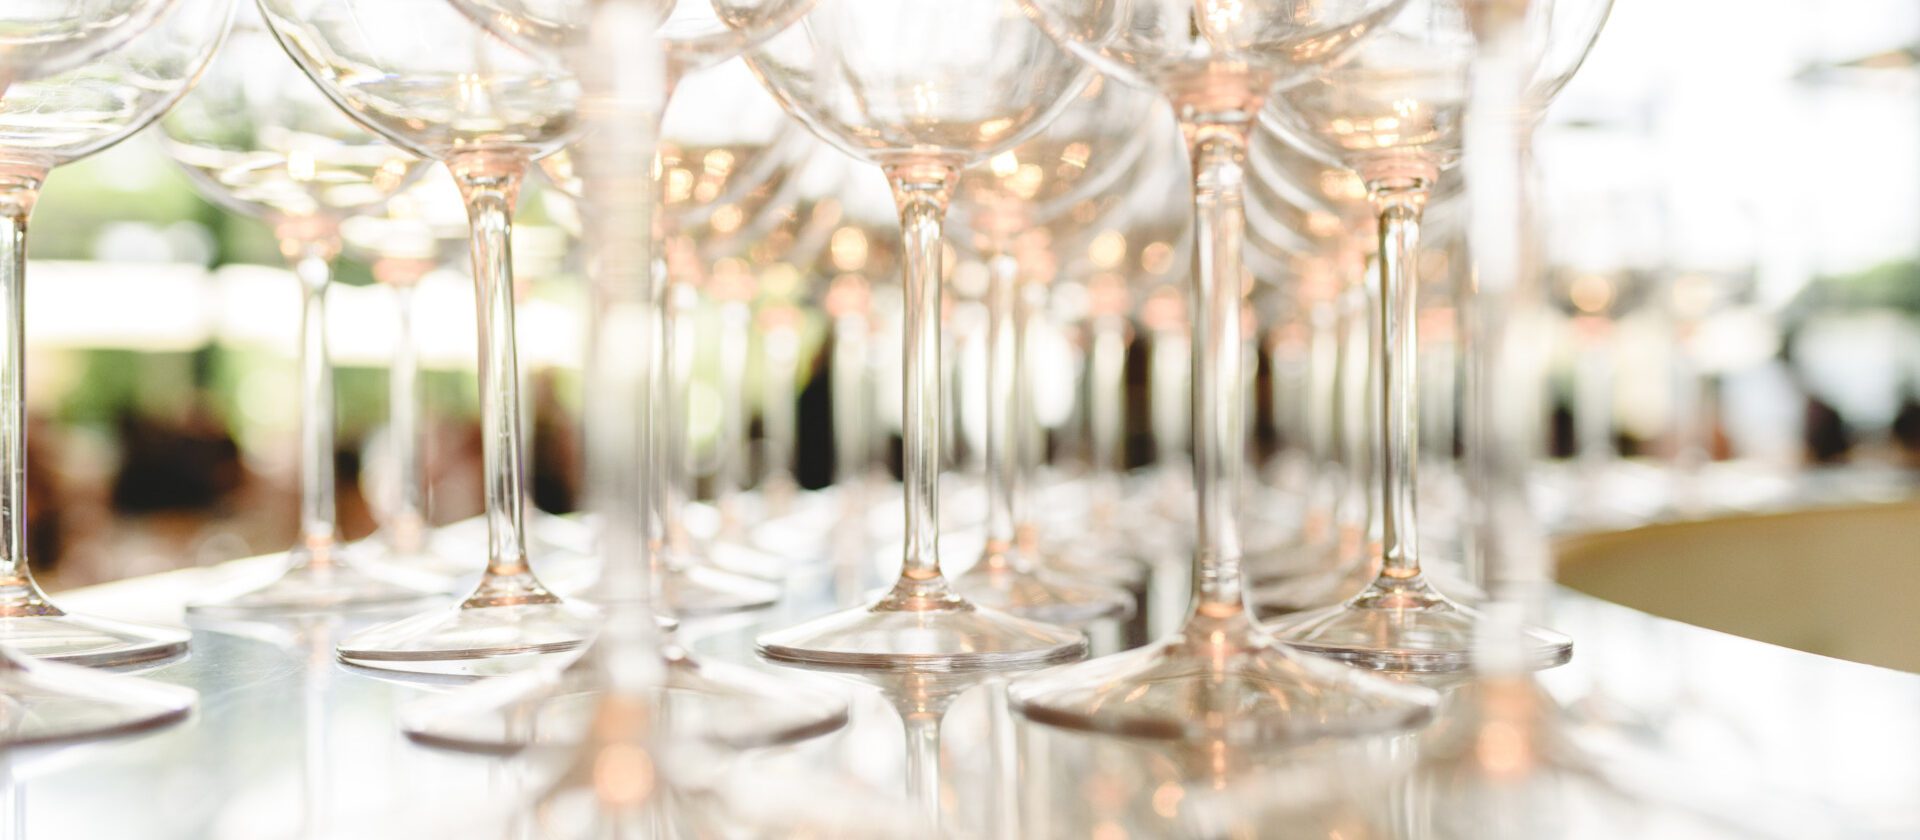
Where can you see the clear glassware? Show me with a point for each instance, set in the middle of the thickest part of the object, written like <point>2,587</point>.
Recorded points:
<point>627,668</point>
<point>431,81</point>
<point>256,137</point>
<point>46,122</point>
<point>38,40</point>
<point>1064,177</point>
<point>922,91</point>
<point>1392,112</point>
<point>403,241</point>
<point>49,118</point>
<point>1219,676</point>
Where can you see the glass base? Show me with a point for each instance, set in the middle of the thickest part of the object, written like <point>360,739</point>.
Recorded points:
<point>452,640</point>
<point>84,640</point>
<point>936,630</point>
<point>305,587</point>
<point>692,590</point>
<point>997,583</point>
<point>726,704</point>
<point>1220,680</point>
<point>1407,626</point>
<point>50,703</point>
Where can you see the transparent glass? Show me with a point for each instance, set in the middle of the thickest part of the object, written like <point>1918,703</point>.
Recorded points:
<point>1393,113</point>
<point>257,137</point>
<point>922,91</point>
<point>428,79</point>
<point>47,122</point>
<point>627,671</point>
<point>138,70</point>
<point>1216,64</point>
<point>1064,178</point>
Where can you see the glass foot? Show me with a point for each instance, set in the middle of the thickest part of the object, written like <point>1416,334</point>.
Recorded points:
<point>451,640</point>
<point>307,587</point>
<point>939,632</point>
<point>84,640</point>
<point>1223,680</point>
<point>694,589</point>
<point>726,704</point>
<point>1406,626</point>
<point>997,583</point>
<point>50,703</point>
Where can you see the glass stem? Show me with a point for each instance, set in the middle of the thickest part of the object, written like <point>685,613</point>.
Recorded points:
<point>677,457</point>
<point>18,594</point>
<point>921,194</point>
<point>850,440</point>
<point>922,731</point>
<point>313,265</point>
<point>780,355</point>
<point>1002,357</point>
<point>1218,152</point>
<point>491,184</point>
<point>730,472</point>
<point>1026,440</point>
<point>406,532</point>
<point>1107,383</point>
<point>1399,206</point>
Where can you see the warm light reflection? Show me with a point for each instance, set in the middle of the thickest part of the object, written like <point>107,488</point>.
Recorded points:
<point>848,248</point>
<point>1107,250</point>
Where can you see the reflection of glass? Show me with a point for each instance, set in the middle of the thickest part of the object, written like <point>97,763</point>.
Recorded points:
<point>922,91</point>
<point>257,137</point>
<point>45,121</point>
<point>432,82</point>
<point>1219,675</point>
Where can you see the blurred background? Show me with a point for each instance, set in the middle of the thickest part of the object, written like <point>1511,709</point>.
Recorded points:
<point>1732,198</point>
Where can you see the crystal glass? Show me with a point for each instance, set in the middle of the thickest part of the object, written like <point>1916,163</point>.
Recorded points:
<point>136,71</point>
<point>627,669</point>
<point>1219,676</point>
<point>403,241</point>
<point>1393,114</point>
<point>431,81</point>
<point>38,40</point>
<point>922,90</point>
<point>47,122</point>
<point>256,137</point>
<point>1059,182</point>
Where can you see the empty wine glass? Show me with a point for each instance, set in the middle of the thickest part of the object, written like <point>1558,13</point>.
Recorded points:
<point>1060,177</point>
<point>46,121</point>
<point>257,137</point>
<point>403,241</point>
<point>1219,676</point>
<point>38,40</point>
<point>626,668</point>
<point>1393,113</point>
<point>433,82</point>
<point>922,90</point>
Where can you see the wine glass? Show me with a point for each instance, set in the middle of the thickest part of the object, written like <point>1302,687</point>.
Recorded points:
<point>1392,113</point>
<point>403,241</point>
<point>922,90</point>
<point>1219,676</point>
<point>38,40</point>
<point>256,137</point>
<point>1059,178</point>
<point>431,81</point>
<point>46,121</point>
<point>626,669</point>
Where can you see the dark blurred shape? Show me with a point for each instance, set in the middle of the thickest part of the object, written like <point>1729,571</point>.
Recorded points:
<point>1827,436</point>
<point>170,466</point>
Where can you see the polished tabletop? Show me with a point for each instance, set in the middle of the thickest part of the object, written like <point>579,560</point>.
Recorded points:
<point>1656,729</point>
